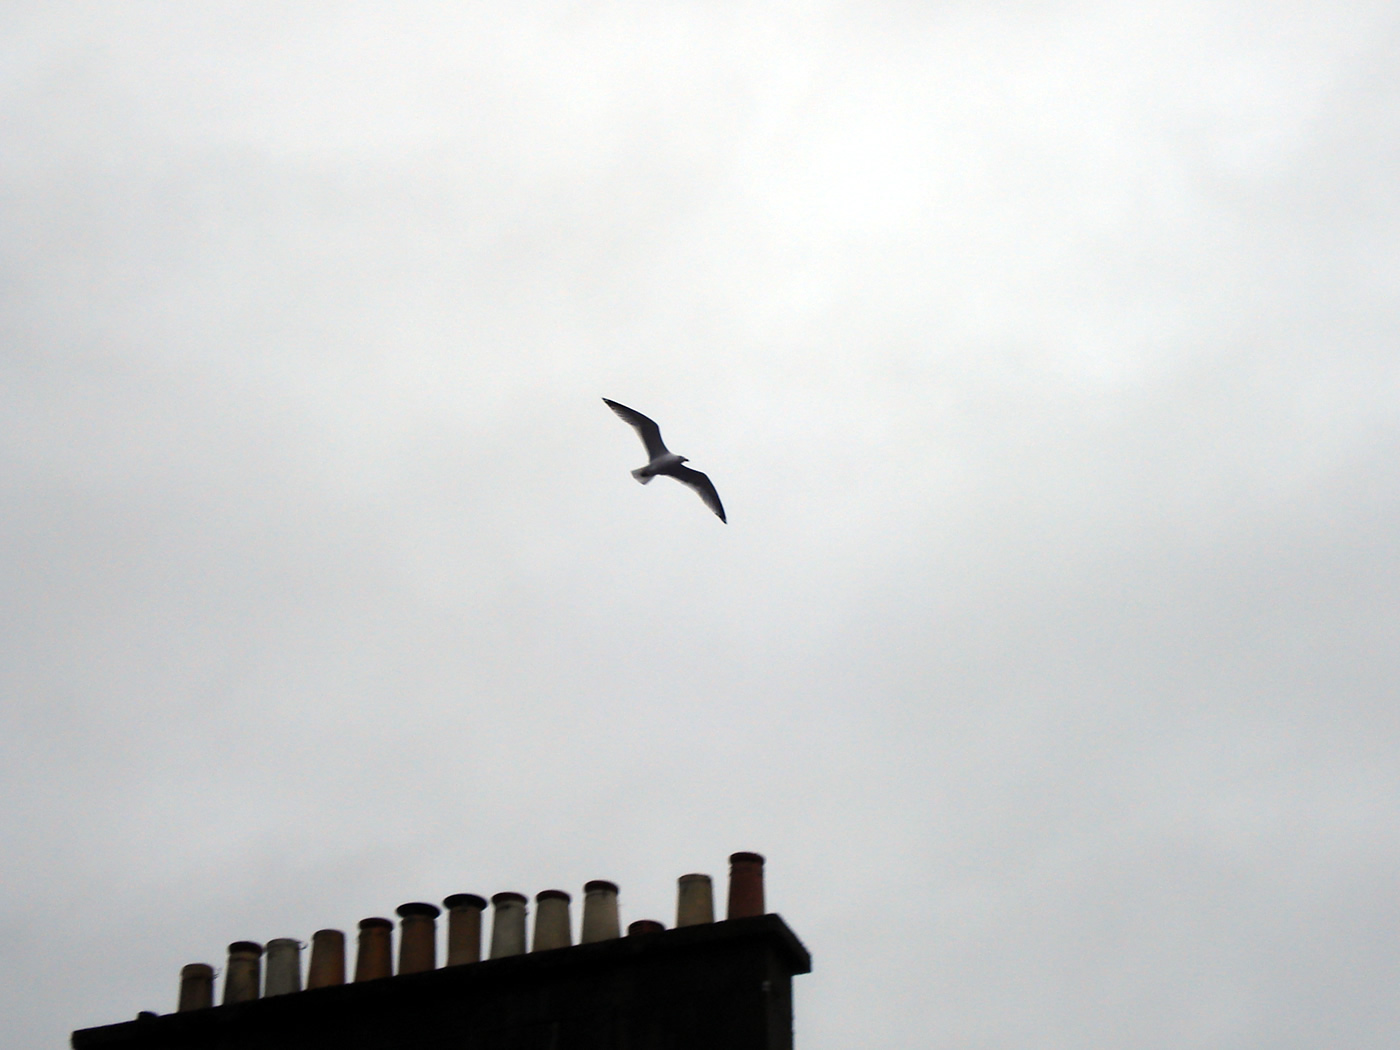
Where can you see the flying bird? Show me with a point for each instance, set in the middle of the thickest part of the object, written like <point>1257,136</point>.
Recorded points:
<point>664,461</point>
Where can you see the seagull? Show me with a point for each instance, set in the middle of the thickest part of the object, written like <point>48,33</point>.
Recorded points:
<point>664,461</point>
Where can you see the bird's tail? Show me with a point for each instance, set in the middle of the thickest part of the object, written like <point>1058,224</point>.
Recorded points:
<point>641,475</point>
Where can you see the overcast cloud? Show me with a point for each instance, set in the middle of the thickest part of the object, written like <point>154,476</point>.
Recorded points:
<point>1043,354</point>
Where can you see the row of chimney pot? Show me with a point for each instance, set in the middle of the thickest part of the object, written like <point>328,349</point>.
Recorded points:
<point>418,935</point>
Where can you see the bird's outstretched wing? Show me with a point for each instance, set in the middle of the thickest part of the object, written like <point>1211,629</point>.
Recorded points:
<point>701,484</point>
<point>647,430</point>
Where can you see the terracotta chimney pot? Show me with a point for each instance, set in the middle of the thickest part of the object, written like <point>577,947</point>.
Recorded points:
<point>374,957</point>
<point>327,959</point>
<point>745,885</point>
<point>417,937</point>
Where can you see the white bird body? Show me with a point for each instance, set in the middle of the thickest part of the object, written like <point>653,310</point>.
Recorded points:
<point>664,461</point>
<point>660,465</point>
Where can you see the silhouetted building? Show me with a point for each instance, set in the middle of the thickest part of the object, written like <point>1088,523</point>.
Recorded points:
<point>704,985</point>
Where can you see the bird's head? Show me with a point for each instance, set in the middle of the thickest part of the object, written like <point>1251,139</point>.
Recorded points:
<point>683,459</point>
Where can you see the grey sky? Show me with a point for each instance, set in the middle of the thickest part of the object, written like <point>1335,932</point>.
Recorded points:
<point>1044,355</point>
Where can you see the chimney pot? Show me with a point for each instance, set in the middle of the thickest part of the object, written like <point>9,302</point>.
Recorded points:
<point>243,977</point>
<point>327,959</point>
<point>417,937</point>
<point>695,900</point>
<point>600,922</point>
<point>464,928</point>
<point>553,928</point>
<point>374,956</point>
<point>507,924</point>
<point>644,926</point>
<point>464,900</point>
<point>745,885</point>
<point>196,987</point>
<point>283,966</point>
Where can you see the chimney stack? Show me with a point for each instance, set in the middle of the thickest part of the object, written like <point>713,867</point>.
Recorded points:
<point>600,922</point>
<point>463,928</point>
<point>374,957</point>
<point>244,974</point>
<point>745,885</point>
<point>244,979</point>
<point>695,900</point>
<point>196,987</point>
<point>283,966</point>
<point>507,925</point>
<point>417,937</point>
<point>552,926</point>
<point>327,959</point>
